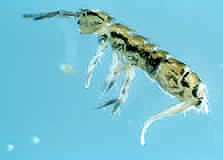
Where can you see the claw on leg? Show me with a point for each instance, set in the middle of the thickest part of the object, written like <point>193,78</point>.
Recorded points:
<point>52,14</point>
<point>94,61</point>
<point>116,106</point>
<point>110,102</point>
<point>123,92</point>
<point>168,112</point>
<point>116,102</point>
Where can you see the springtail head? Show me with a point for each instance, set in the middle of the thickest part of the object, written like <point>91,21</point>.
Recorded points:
<point>90,21</point>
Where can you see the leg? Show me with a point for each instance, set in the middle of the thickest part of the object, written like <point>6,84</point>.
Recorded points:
<point>114,73</point>
<point>102,45</point>
<point>168,112</point>
<point>52,14</point>
<point>130,72</point>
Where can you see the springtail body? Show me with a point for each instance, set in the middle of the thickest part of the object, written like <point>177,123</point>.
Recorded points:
<point>130,51</point>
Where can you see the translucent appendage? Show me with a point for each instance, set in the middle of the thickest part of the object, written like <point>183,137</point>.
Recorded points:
<point>168,112</point>
<point>94,61</point>
<point>123,92</point>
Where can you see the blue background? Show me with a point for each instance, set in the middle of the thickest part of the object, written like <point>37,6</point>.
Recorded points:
<point>38,99</point>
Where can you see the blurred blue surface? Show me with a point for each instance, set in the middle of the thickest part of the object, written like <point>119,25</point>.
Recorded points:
<point>37,99</point>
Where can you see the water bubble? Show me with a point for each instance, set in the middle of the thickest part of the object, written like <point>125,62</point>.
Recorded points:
<point>35,140</point>
<point>10,147</point>
<point>66,68</point>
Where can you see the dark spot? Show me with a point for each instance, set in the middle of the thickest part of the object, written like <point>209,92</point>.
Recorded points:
<point>154,52</point>
<point>131,48</point>
<point>173,71</point>
<point>119,46</point>
<point>120,36</point>
<point>94,14</point>
<point>198,102</point>
<point>102,38</point>
<point>182,72</point>
<point>133,60</point>
<point>194,91</point>
<point>153,63</point>
<point>123,91</point>
<point>183,82</point>
<point>181,93</point>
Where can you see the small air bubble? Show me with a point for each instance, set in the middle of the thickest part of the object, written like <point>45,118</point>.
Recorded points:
<point>35,140</point>
<point>10,147</point>
<point>66,68</point>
